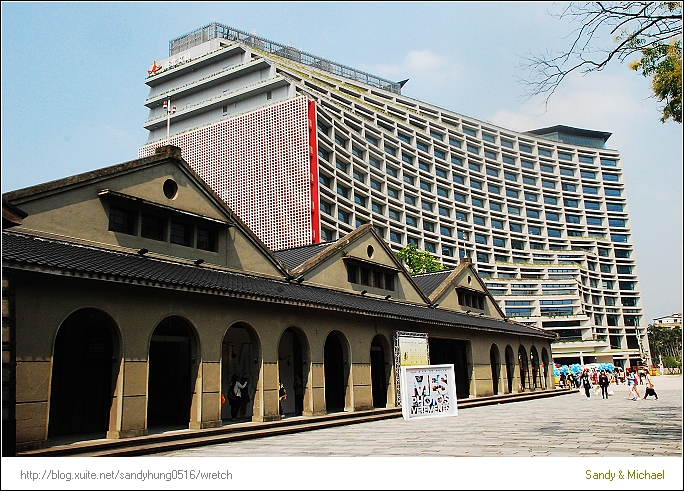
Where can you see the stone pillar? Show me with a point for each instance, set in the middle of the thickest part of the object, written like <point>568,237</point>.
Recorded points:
<point>210,401</point>
<point>360,378</point>
<point>314,398</point>
<point>129,407</point>
<point>33,395</point>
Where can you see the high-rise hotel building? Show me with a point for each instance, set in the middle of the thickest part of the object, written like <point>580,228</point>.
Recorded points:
<point>305,150</point>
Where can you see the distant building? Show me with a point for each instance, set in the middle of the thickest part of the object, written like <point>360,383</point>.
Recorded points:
<point>672,320</point>
<point>306,150</point>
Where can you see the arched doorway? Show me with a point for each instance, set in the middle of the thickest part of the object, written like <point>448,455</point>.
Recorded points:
<point>510,368</point>
<point>240,360</point>
<point>456,352</point>
<point>545,369</point>
<point>336,369</point>
<point>173,358</point>
<point>293,369</point>
<point>534,361</point>
<point>495,364</point>
<point>380,372</point>
<point>85,365</point>
<point>522,364</point>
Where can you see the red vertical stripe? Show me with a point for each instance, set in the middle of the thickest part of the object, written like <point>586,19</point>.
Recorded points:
<point>313,157</point>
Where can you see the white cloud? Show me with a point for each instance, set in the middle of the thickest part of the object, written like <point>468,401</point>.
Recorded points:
<point>420,65</point>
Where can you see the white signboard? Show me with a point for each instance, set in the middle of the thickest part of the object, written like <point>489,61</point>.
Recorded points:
<point>414,351</point>
<point>428,391</point>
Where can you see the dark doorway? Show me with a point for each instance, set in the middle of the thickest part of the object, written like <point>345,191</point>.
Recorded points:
<point>536,373</point>
<point>336,373</point>
<point>171,374</point>
<point>495,363</point>
<point>378,373</point>
<point>522,363</point>
<point>545,368</point>
<point>82,374</point>
<point>510,365</point>
<point>293,369</point>
<point>451,351</point>
<point>240,360</point>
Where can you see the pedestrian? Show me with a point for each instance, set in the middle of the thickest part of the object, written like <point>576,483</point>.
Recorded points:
<point>585,381</point>
<point>236,402</point>
<point>282,395</point>
<point>604,382</point>
<point>632,380</point>
<point>562,380</point>
<point>650,391</point>
<point>571,380</point>
<point>244,396</point>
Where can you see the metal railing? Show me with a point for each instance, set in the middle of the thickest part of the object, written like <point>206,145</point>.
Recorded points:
<point>216,30</point>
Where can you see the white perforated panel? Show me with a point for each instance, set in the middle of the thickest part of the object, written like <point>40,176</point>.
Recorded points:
<point>258,163</point>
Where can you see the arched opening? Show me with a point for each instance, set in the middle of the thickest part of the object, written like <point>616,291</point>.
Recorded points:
<point>380,371</point>
<point>456,352</point>
<point>84,370</point>
<point>545,369</point>
<point>241,362</point>
<point>336,364</point>
<point>173,358</point>
<point>510,368</point>
<point>536,373</point>
<point>293,369</point>
<point>523,366</point>
<point>495,364</point>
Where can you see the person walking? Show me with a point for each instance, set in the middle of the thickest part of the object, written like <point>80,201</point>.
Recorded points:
<point>632,380</point>
<point>561,379</point>
<point>244,396</point>
<point>236,403</point>
<point>604,382</point>
<point>650,391</point>
<point>585,381</point>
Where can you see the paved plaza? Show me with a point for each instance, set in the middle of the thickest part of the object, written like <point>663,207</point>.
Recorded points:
<point>562,426</point>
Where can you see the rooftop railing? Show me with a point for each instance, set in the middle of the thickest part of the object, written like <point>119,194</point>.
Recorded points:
<point>216,30</point>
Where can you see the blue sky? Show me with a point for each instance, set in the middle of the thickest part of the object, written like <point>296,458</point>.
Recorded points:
<point>73,89</point>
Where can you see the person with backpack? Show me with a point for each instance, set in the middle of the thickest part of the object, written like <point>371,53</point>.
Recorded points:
<point>604,382</point>
<point>585,381</point>
<point>650,390</point>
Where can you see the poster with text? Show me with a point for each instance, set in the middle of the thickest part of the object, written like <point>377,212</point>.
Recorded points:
<point>428,391</point>
<point>414,351</point>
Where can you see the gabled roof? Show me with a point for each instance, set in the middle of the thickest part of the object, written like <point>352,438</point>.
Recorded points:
<point>339,246</point>
<point>163,154</point>
<point>437,290</point>
<point>428,282</point>
<point>295,256</point>
<point>26,252</point>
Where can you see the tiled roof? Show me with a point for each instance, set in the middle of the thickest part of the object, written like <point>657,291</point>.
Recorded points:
<point>428,282</point>
<point>22,251</point>
<point>298,255</point>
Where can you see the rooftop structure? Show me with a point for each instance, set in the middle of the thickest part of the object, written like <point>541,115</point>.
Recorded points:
<point>304,154</point>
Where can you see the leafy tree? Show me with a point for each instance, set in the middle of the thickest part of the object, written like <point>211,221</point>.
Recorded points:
<point>665,341</point>
<point>650,30</point>
<point>419,261</point>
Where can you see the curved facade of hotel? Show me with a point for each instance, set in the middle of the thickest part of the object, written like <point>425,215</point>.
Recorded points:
<point>306,150</point>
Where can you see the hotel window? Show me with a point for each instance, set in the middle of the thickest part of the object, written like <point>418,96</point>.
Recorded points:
<point>121,220</point>
<point>446,231</point>
<point>325,180</point>
<point>572,218</point>
<point>181,234</point>
<point>322,128</point>
<point>497,224</point>
<point>409,179</point>
<point>475,184</point>
<point>444,211</point>
<point>474,166</point>
<point>618,238</point>
<point>326,207</point>
<point>494,189</point>
<point>609,162</point>
<point>545,152</point>
<point>458,179</point>
<point>439,154</point>
<point>207,239</point>
<point>506,143</point>
<point>511,193</point>
<point>525,163</point>
<point>614,222</point>
<point>614,207</point>
<point>343,191</point>
<point>421,146</point>
<point>546,168</point>
<point>494,206</point>
<point>532,213</point>
<point>442,192</point>
<point>323,154</point>
<point>375,162</point>
<point>478,202</point>
<point>568,187</point>
<point>489,138</point>
<point>428,226</point>
<point>430,247</point>
<point>457,161</point>
<point>552,217</point>
<point>447,251</point>
<point>326,234</point>
<point>587,175</point>
<point>501,259</point>
<point>480,239</point>
<point>499,242</point>
<point>409,200</point>
<point>534,230</point>
<point>341,165</point>
<point>407,158</point>
<point>425,186</point>
<point>357,152</point>
<point>412,241</point>
<point>491,171</point>
<point>473,149</point>
<point>592,205</point>
<point>566,172</point>
<point>571,203</point>
<point>586,160</point>
<point>518,245</point>
<point>550,200</point>
<point>372,140</point>
<point>530,197</point>
<point>621,269</point>
<point>529,180</point>
<point>404,138</point>
<point>343,216</point>
<point>340,141</point>
<point>548,184</point>
<point>510,177</point>
<point>590,190</point>
<point>490,155</point>
<point>613,192</point>
<point>440,173</point>
<point>594,221</point>
<point>564,156</point>
<point>360,222</point>
<point>392,193</point>
<point>394,214</point>
<point>482,257</point>
<point>513,210</point>
<point>469,131</point>
<point>359,176</point>
<point>152,227</point>
<point>426,206</point>
<point>478,220</point>
<point>375,185</point>
<point>459,197</point>
<point>360,200</point>
<point>390,150</point>
<point>377,208</point>
<point>515,227</point>
<point>460,216</point>
<point>454,142</point>
<point>525,148</point>
<point>392,171</point>
<point>611,177</point>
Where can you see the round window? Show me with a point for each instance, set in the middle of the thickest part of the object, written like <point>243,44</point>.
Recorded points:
<point>370,251</point>
<point>170,189</point>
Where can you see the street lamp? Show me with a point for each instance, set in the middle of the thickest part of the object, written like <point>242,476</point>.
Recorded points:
<point>169,111</point>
